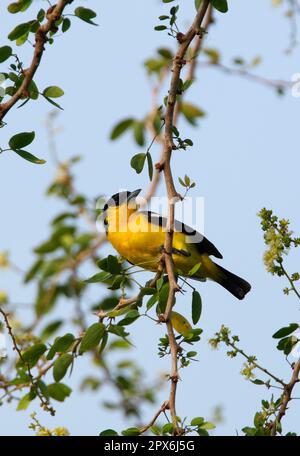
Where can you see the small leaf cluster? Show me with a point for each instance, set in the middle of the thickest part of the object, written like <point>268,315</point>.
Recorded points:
<point>279,239</point>
<point>17,144</point>
<point>171,19</point>
<point>287,341</point>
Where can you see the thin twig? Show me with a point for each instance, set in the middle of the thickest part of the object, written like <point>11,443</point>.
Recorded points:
<point>244,72</point>
<point>44,401</point>
<point>258,366</point>
<point>290,280</point>
<point>162,409</point>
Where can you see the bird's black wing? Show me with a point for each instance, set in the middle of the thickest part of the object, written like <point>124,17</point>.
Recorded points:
<point>203,245</point>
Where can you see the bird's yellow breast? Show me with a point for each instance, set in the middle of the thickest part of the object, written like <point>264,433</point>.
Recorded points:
<point>141,242</point>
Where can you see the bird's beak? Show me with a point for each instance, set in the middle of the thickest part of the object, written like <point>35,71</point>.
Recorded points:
<point>133,194</point>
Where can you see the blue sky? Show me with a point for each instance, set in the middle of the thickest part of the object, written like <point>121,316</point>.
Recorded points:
<point>244,157</point>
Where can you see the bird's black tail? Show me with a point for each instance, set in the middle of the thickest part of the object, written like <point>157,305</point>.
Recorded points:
<point>234,284</point>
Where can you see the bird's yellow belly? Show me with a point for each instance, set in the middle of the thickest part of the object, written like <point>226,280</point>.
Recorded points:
<point>141,249</point>
<point>144,250</point>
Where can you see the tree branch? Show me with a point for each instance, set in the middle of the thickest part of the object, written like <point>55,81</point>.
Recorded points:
<point>286,397</point>
<point>53,14</point>
<point>190,75</point>
<point>178,63</point>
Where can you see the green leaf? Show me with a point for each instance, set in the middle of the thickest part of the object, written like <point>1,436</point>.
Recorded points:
<point>118,331</point>
<point>121,127</point>
<point>220,5</point>
<point>191,112</point>
<point>196,307</point>
<point>139,133</point>
<point>53,92</point>
<point>61,345</point>
<point>24,103</point>
<point>249,431</point>
<point>191,354</point>
<point>258,420</point>
<point>160,28</point>
<point>153,300</point>
<point>22,40</point>
<point>181,182</point>
<point>130,317</point>
<point>148,291</point>
<point>19,31</point>
<point>24,402</point>
<point>131,431</point>
<point>213,54</point>
<point>257,382</point>
<point>21,140</point>
<point>41,15</point>
<point>66,24</point>
<point>208,426</point>
<point>108,432</point>
<point>100,277</point>
<point>21,5</point>
<point>61,366</point>
<point>14,8</point>
<point>285,331</point>
<point>198,421</point>
<point>58,391</point>
<point>33,91</point>
<point>103,342</point>
<point>34,26</point>
<point>187,84</point>
<point>92,337</point>
<point>187,181</point>
<point>110,264</point>
<point>155,66</point>
<point>85,14</point>
<point>29,157</point>
<point>52,102</point>
<point>116,282</point>
<point>287,344</point>
<point>202,432</point>
<point>180,323</point>
<point>137,162</point>
<point>33,354</point>
<point>150,165</point>
<point>163,297</point>
<point>13,77</point>
<point>35,268</point>
<point>50,329</point>
<point>168,428</point>
<point>5,53</point>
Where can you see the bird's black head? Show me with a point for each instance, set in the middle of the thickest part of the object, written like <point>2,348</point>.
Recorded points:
<point>121,198</point>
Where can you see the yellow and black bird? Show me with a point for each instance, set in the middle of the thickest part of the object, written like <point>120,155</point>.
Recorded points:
<point>139,237</point>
